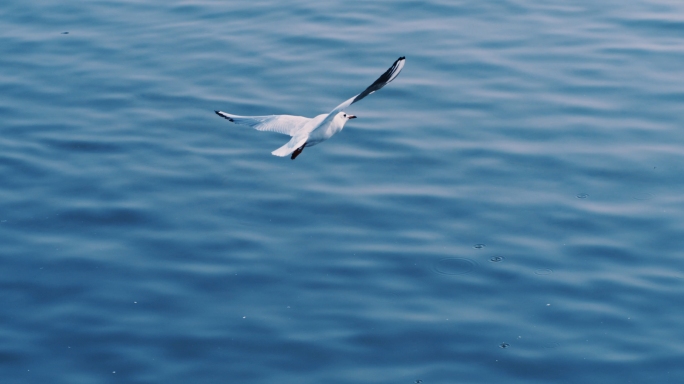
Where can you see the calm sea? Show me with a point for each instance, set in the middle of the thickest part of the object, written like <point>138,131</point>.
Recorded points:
<point>509,210</point>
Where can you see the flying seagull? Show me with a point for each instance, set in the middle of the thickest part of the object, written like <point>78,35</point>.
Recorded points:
<point>306,132</point>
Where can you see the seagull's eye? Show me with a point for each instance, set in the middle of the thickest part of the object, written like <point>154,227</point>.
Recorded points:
<point>345,115</point>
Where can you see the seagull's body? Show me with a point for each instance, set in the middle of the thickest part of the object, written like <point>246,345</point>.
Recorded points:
<point>306,132</point>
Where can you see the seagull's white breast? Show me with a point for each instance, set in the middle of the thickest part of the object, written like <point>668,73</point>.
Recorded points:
<point>325,131</point>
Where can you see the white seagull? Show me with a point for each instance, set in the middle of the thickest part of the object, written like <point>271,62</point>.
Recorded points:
<point>306,132</point>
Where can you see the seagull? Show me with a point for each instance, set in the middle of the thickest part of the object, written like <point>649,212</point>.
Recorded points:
<point>307,132</point>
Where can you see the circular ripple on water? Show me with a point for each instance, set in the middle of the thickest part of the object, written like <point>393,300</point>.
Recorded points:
<point>496,259</point>
<point>454,266</point>
<point>504,345</point>
<point>479,246</point>
<point>543,271</point>
<point>582,195</point>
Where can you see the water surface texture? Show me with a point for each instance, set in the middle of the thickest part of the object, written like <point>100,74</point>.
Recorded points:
<point>508,210</point>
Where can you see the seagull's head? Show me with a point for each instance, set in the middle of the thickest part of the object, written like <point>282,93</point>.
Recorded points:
<point>344,117</point>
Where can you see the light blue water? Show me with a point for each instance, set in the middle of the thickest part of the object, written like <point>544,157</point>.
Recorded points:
<point>519,185</point>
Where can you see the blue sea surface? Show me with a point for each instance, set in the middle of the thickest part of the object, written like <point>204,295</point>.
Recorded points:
<point>510,209</point>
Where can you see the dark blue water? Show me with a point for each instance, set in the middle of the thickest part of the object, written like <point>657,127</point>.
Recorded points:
<point>509,209</point>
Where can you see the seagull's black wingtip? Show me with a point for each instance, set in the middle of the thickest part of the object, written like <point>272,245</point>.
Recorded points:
<point>402,58</point>
<point>224,116</point>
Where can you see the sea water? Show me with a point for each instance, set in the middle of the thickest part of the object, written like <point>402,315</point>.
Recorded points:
<point>509,209</point>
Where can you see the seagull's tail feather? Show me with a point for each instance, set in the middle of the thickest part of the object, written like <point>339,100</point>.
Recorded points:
<point>291,145</point>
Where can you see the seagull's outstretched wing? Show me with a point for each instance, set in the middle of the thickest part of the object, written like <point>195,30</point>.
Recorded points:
<point>383,80</point>
<point>285,124</point>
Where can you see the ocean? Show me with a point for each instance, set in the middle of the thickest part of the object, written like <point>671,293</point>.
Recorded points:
<point>509,209</point>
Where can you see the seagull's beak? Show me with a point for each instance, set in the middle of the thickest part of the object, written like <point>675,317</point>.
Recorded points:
<point>351,117</point>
